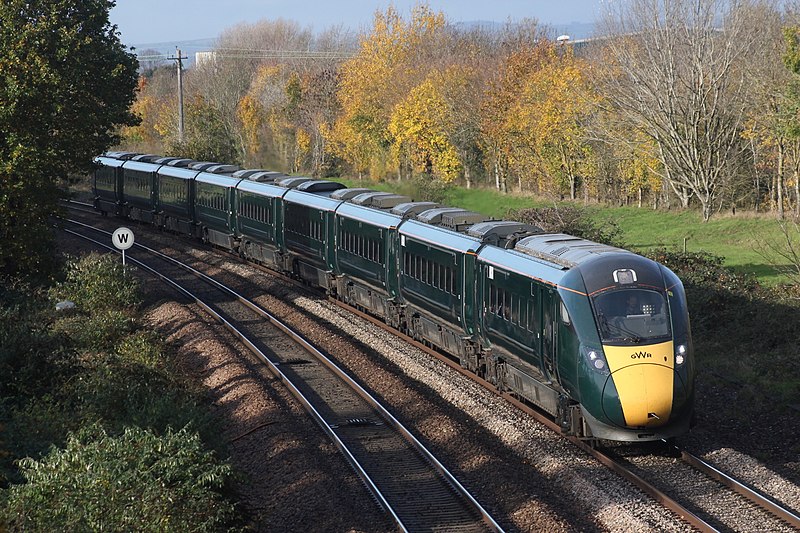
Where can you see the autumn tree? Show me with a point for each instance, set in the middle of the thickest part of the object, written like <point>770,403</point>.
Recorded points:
<point>675,80</point>
<point>392,59</point>
<point>550,115</point>
<point>66,83</point>
<point>206,137</point>
<point>156,106</point>
<point>421,128</point>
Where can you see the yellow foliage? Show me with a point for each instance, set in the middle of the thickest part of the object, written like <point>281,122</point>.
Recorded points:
<point>390,61</point>
<point>159,120</point>
<point>251,115</point>
<point>419,126</point>
<point>534,116</point>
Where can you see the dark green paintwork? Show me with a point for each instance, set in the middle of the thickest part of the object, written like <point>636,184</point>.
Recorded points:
<point>306,230</point>
<point>213,206</point>
<point>139,189</point>
<point>428,293</point>
<point>257,216</point>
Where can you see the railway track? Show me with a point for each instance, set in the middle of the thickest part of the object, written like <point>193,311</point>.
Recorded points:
<point>417,492</point>
<point>744,509</point>
<point>701,500</point>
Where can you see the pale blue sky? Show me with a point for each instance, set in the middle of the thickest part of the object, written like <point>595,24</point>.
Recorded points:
<point>153,21</point>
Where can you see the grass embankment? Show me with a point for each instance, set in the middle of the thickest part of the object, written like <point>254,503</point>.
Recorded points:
<point>741,240</point>
<point>98,430</point>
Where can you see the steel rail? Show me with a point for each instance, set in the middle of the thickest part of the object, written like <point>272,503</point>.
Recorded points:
<point>274,367</point>
<point>759,499</point>
<point>648,488</point>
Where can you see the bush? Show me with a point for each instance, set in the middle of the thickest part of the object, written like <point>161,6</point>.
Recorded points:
<point>31,356</point>
<point>144,348</point>
<point>98,282</point>
<point>137,481</point>
<point>429,189</point>
<point>571,220</point>
<point>100,331</point>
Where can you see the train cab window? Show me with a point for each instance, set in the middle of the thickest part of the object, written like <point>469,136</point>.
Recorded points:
<point>565,315</point>
<point>632,315</point>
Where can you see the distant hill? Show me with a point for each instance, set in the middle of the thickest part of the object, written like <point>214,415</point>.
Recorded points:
<point>576,30</point>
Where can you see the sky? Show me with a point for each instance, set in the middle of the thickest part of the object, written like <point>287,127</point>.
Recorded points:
<point>158,21</point>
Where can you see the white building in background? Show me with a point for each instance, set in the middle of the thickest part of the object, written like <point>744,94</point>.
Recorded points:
<point>205,58</point>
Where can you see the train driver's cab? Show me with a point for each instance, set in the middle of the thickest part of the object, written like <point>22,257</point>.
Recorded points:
<point>632,316</point>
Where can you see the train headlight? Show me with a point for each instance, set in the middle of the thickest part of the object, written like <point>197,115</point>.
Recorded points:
<point>680,354</point>
<point>595,358</point>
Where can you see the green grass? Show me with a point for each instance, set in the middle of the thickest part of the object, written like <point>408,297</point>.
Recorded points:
<point>739,239</point>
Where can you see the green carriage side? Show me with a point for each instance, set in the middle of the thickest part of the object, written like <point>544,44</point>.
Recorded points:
<point>259,221</point>
<point>107,185</point>
<point>437,280</point>
<point>522,324</point>
<point>213,208</point>
<point>139,191</point>
<point>309,233</point>
<point>174,205</point>
<point>366,261</point>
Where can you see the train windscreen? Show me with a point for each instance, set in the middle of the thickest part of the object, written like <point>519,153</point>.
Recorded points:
<point>632,315</point>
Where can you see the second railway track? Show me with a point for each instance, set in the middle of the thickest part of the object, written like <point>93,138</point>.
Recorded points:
<point>406,480</point>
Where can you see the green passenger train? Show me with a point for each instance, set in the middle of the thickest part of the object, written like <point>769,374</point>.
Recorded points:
<point>596,336</point>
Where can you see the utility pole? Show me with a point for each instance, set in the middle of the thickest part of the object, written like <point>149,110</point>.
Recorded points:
<point>179,59</point>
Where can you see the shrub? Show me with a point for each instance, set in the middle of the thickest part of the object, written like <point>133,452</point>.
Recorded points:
<point>571,220</point>
<point>142,347</point>
<point>137,481</point>
<point>100,331</point>
<point>98,282</point>
<point>429,189</point>
<point>31,356</point>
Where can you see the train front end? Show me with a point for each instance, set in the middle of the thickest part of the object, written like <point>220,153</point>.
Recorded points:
<point>635,372</point>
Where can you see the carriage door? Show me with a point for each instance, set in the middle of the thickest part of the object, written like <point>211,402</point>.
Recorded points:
<point>549,337</point>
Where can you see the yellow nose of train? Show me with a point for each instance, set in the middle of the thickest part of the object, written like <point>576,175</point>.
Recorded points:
<point>644,380</point>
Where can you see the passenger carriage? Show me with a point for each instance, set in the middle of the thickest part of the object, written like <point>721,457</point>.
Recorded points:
<point>174,201</point>
<point>139,191</point>
<point>213,208</point>
<point>259,221</point>
<point>366,262</point>
<point>107,185</point>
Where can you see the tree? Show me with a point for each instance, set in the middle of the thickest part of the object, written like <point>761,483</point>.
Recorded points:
<point>420,127</point>
<point>550,117</point>
<point>206,137</point>
<point>674,77</point>
<point>66,83</point>
<point>395,57</point>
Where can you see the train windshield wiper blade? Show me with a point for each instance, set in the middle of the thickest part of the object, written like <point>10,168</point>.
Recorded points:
<point>628,335</point>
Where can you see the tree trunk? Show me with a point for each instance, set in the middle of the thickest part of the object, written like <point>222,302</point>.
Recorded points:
<point>779,178</point>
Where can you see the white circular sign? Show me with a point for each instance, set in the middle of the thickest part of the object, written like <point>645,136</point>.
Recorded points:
<point>122,238</point>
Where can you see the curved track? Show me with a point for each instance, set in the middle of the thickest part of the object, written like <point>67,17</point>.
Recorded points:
<point>406,480</point>
<point>720,503</point>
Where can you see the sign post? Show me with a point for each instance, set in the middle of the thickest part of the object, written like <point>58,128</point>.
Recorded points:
<point>122,238</point>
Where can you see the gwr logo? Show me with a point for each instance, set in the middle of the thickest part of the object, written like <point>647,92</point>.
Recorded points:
<point>641,355</point>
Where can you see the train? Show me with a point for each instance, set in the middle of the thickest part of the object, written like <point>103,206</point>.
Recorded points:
<point>596,336</point>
